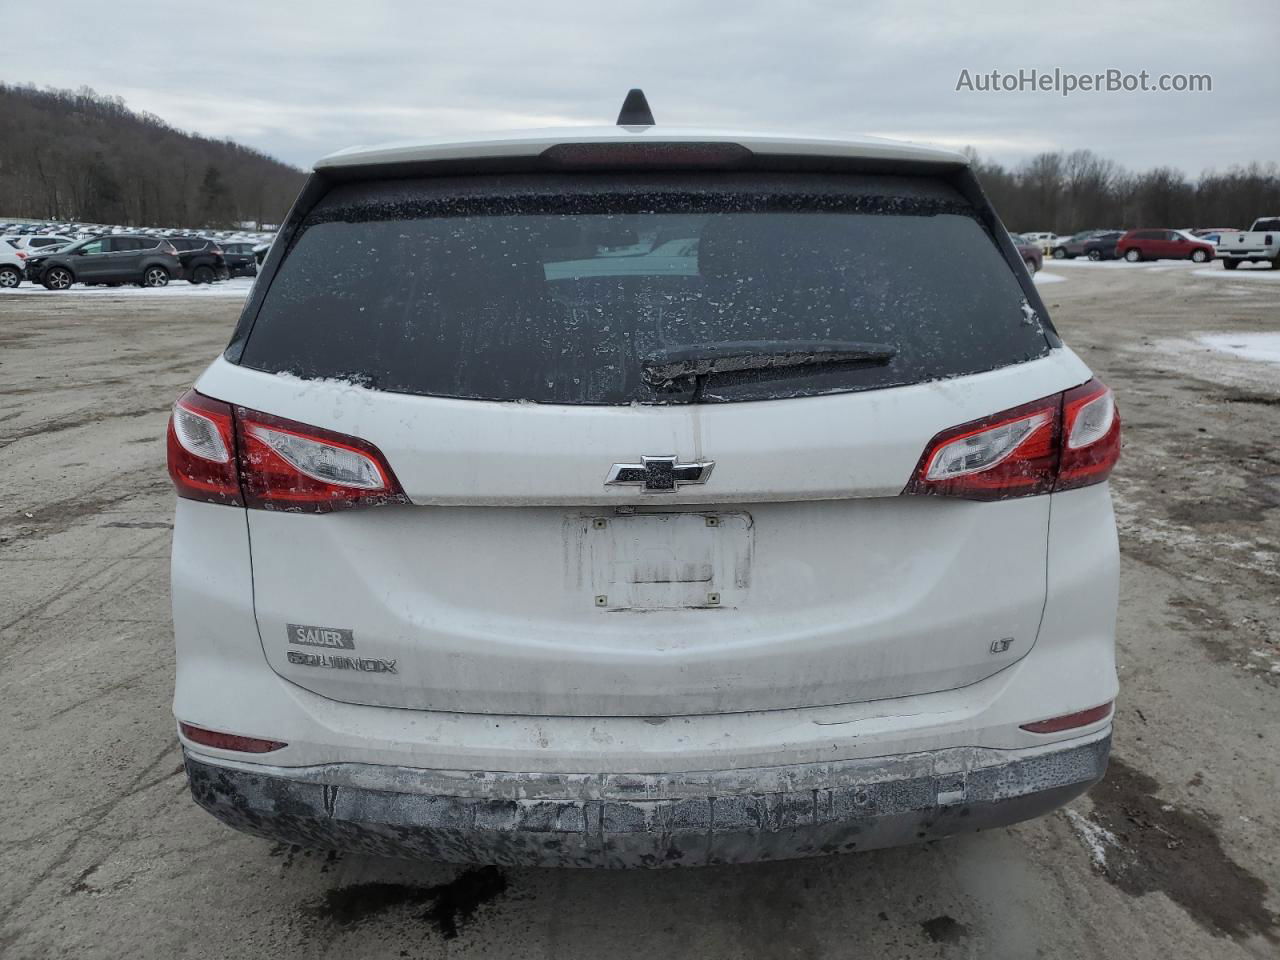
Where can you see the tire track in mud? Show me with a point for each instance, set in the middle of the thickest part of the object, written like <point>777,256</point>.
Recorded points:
<point>81,418</point>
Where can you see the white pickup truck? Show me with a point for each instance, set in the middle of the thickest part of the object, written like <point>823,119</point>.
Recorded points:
<point>1260,243</point>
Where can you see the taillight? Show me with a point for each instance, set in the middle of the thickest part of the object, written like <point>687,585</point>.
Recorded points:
<point>1091,436</point>
<point>202,450</point>
<point>1010,454</point>
<point>286,465</point>
<point>1065,441</point>
<point>239,456</point>
<point>228,741</point>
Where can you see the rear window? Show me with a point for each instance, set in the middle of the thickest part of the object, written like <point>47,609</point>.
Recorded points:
<point>559,289</point>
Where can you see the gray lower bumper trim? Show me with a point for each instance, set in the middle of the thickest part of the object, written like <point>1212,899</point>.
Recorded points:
<point>736,828</point>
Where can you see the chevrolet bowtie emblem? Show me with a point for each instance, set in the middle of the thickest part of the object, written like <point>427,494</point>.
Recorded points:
<point>659,474</point>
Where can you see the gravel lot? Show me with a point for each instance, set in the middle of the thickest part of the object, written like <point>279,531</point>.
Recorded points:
<point>1176,854</point>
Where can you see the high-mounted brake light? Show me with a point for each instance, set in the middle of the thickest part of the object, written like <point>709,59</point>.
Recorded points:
<point>221,454</point>
<point>1061,442</point>
<point>228,741</point>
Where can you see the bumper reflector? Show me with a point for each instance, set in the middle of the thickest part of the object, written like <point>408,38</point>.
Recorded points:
<point>1069,721</point>
<point>228,741</point>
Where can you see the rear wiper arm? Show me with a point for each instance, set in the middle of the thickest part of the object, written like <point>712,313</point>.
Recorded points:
<point>680,363</point>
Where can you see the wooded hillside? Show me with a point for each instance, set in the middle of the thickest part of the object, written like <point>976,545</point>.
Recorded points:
<point>81,156</point>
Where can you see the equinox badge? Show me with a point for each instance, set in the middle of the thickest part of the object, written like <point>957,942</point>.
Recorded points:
<point>658,474</point>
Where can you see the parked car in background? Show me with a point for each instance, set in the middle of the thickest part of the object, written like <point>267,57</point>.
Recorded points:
<point>239,257</point>
<point>32,244</point>
<point>759,587</point>
<point>1259,244</point>
<point>1148,244</point>
<point>202,259</point>
<point>147,261</point>
<point>260,252</point>
<point>12,267</point>
<point>1044,240</point>
<point>1103,245</point>
<point>1068,248</point>
<point>1030,252</point>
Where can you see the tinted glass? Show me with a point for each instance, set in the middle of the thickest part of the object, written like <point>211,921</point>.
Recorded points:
<point>1272,224</point>
<point>556,290</point>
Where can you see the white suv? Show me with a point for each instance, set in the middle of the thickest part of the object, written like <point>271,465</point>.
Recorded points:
<point>510,531</point>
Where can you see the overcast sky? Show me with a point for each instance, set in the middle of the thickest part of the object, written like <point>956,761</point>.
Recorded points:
<point>301,79</point>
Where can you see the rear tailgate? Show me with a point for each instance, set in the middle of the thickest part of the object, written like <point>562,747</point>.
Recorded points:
<point>519,581</point>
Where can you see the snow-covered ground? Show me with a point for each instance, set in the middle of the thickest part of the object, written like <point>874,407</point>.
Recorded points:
<point>1241,272</point>
<point>1042,278</point>
<point>1252,346</point>
<point>1148,265</point>
<point>235,287</point>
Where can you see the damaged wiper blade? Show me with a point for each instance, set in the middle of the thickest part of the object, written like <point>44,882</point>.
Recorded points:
<point>680,363</point>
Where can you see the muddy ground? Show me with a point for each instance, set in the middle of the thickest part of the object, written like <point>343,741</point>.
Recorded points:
<point>1175,854</point>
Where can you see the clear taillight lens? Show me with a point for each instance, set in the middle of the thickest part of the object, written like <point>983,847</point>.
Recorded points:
<point>326,462</point>
<point>1092,418</point>
<point>200,435</point>
<point>984,449</point>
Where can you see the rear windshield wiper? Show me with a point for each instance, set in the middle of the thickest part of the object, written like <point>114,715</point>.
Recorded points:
<point>679,363</point>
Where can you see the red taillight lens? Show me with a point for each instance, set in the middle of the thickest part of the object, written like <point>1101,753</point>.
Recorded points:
<point>228,741</point>
<point>242,457</point>
<point>1064,441</point>
<point>202,450</point>
<point>1070,721</point>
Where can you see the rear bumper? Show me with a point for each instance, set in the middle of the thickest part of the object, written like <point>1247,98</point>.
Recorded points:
<point>623,820</point>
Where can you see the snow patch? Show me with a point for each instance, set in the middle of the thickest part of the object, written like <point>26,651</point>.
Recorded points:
<point>1043,278</point>
<point>1241,272</point>
<point>1264,347</point>
<point>239,287</point>
<point>1096,837</point>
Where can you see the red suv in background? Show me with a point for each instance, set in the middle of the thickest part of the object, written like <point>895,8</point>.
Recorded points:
<point>1138,245</point>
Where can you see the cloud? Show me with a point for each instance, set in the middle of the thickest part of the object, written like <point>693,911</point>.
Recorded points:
<point>301,79</point>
